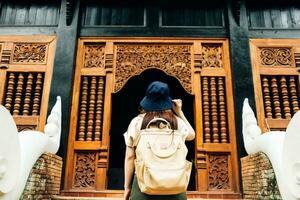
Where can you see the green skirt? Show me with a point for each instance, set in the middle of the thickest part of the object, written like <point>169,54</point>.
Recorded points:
<point>136,194</point>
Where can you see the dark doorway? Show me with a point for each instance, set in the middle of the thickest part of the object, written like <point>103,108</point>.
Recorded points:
<point>125,107</point>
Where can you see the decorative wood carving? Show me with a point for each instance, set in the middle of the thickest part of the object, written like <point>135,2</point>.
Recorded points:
<point>85,173</point>
<point>285,98</point>
<point>103,158</point>
<point>294,95</point>
<point>109,61</point>
<point>91,108</point>
<point>198,62</point>
<point>37,94</point>
<point>275,95</point>
<point>91,115</point>
<point>297,61</point>
<point>283,94</point>
<point>206,110</point>
<point>218,175</point>
<point>21,98</point>
<point>201,159</point>
<point>94,56</point>
<point>29,53</point>
<point>83,109</point>
<point>99,108</point>
<point>212,55</point>
<point>267,98</point>
<point>214,110</point>
<point>5,57</point>
<point>276,56</point>
<point>222,110</point>
<point>174,60</point>
<point>18,95</point>
<point>28,92</point>
<point>122,58</point>
<point>10,91</point>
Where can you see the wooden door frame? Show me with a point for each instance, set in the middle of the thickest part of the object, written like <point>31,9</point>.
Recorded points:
<point>108,69</point>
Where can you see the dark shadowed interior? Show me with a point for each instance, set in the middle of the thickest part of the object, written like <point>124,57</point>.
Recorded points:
<point>125,105</point>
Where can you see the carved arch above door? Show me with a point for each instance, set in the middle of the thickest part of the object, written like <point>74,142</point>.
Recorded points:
<point>173,59</point>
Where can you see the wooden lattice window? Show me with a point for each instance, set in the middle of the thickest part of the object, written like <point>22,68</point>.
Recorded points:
<point>25,78</point>
<point>276,68</point>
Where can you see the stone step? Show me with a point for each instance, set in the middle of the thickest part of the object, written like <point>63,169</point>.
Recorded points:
<point>99,198</point>
<point>105,198</point>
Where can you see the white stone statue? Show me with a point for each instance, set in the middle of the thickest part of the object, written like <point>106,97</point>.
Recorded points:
<point>281,147</point>
<point>20,151</point>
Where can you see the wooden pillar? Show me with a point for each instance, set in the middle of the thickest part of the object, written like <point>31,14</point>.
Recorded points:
<point>104,149</point>
<point>201,165</point>
<point>63,72</point>
<point>241,64</point>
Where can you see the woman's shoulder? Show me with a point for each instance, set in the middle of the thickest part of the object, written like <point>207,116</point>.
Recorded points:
<point>181,123</point>
<point>137,120</point>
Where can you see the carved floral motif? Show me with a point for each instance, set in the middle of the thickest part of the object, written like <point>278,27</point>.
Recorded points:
<point>174,60</point>
<point>85,170</point>
<point>29,53</point>
<point>276,56</point>
<point>212,55</point>
<point>218,172</point>
<point>93,56</point>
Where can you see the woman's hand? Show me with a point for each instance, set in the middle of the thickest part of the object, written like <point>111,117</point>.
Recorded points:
<point>127,194</point>
<point>177,107</point>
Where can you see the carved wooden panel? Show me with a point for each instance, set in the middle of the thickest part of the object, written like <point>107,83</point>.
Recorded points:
<point>281,96</point>
<point>85,170</point>
<point>25,78</point>
<point>23,93</point>
<point>276,56</point>
<point>174,60</point>
<point>94,56</point>
<point>218,175</point>
<point>212,55</point>
<point>29,53</point>
<point>214,110</point>
<point>91,108</point>
<point>5,57</point>
<point>276,79</point>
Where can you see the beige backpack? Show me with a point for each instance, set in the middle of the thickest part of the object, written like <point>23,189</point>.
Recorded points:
<point>161,166</point>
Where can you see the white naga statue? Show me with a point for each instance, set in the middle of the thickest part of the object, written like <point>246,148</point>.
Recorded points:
<point>281,147</point>
<point>20,151</point>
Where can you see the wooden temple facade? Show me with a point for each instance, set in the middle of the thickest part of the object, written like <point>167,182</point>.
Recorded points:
<point>99,56</point>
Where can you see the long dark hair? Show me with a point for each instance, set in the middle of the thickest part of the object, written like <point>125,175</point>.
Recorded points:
<point>165,114</point>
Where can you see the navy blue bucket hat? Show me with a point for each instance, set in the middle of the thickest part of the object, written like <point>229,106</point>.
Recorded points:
<point>157,97</point>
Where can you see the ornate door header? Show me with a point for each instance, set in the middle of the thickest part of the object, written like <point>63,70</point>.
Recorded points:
<point>133,59</point>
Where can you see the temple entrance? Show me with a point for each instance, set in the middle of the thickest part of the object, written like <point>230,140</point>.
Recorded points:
<point>125,106</point>
<point>110,80</point>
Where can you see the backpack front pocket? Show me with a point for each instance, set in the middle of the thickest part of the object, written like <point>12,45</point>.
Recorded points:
<point>163,180</point>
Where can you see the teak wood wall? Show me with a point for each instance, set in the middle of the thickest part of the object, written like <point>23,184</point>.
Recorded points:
<point>276,70</point>
<point>104,65</point>
<point>26,64</point>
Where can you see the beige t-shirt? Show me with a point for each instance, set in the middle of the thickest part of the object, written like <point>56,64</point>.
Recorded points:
<point>134,128</point>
